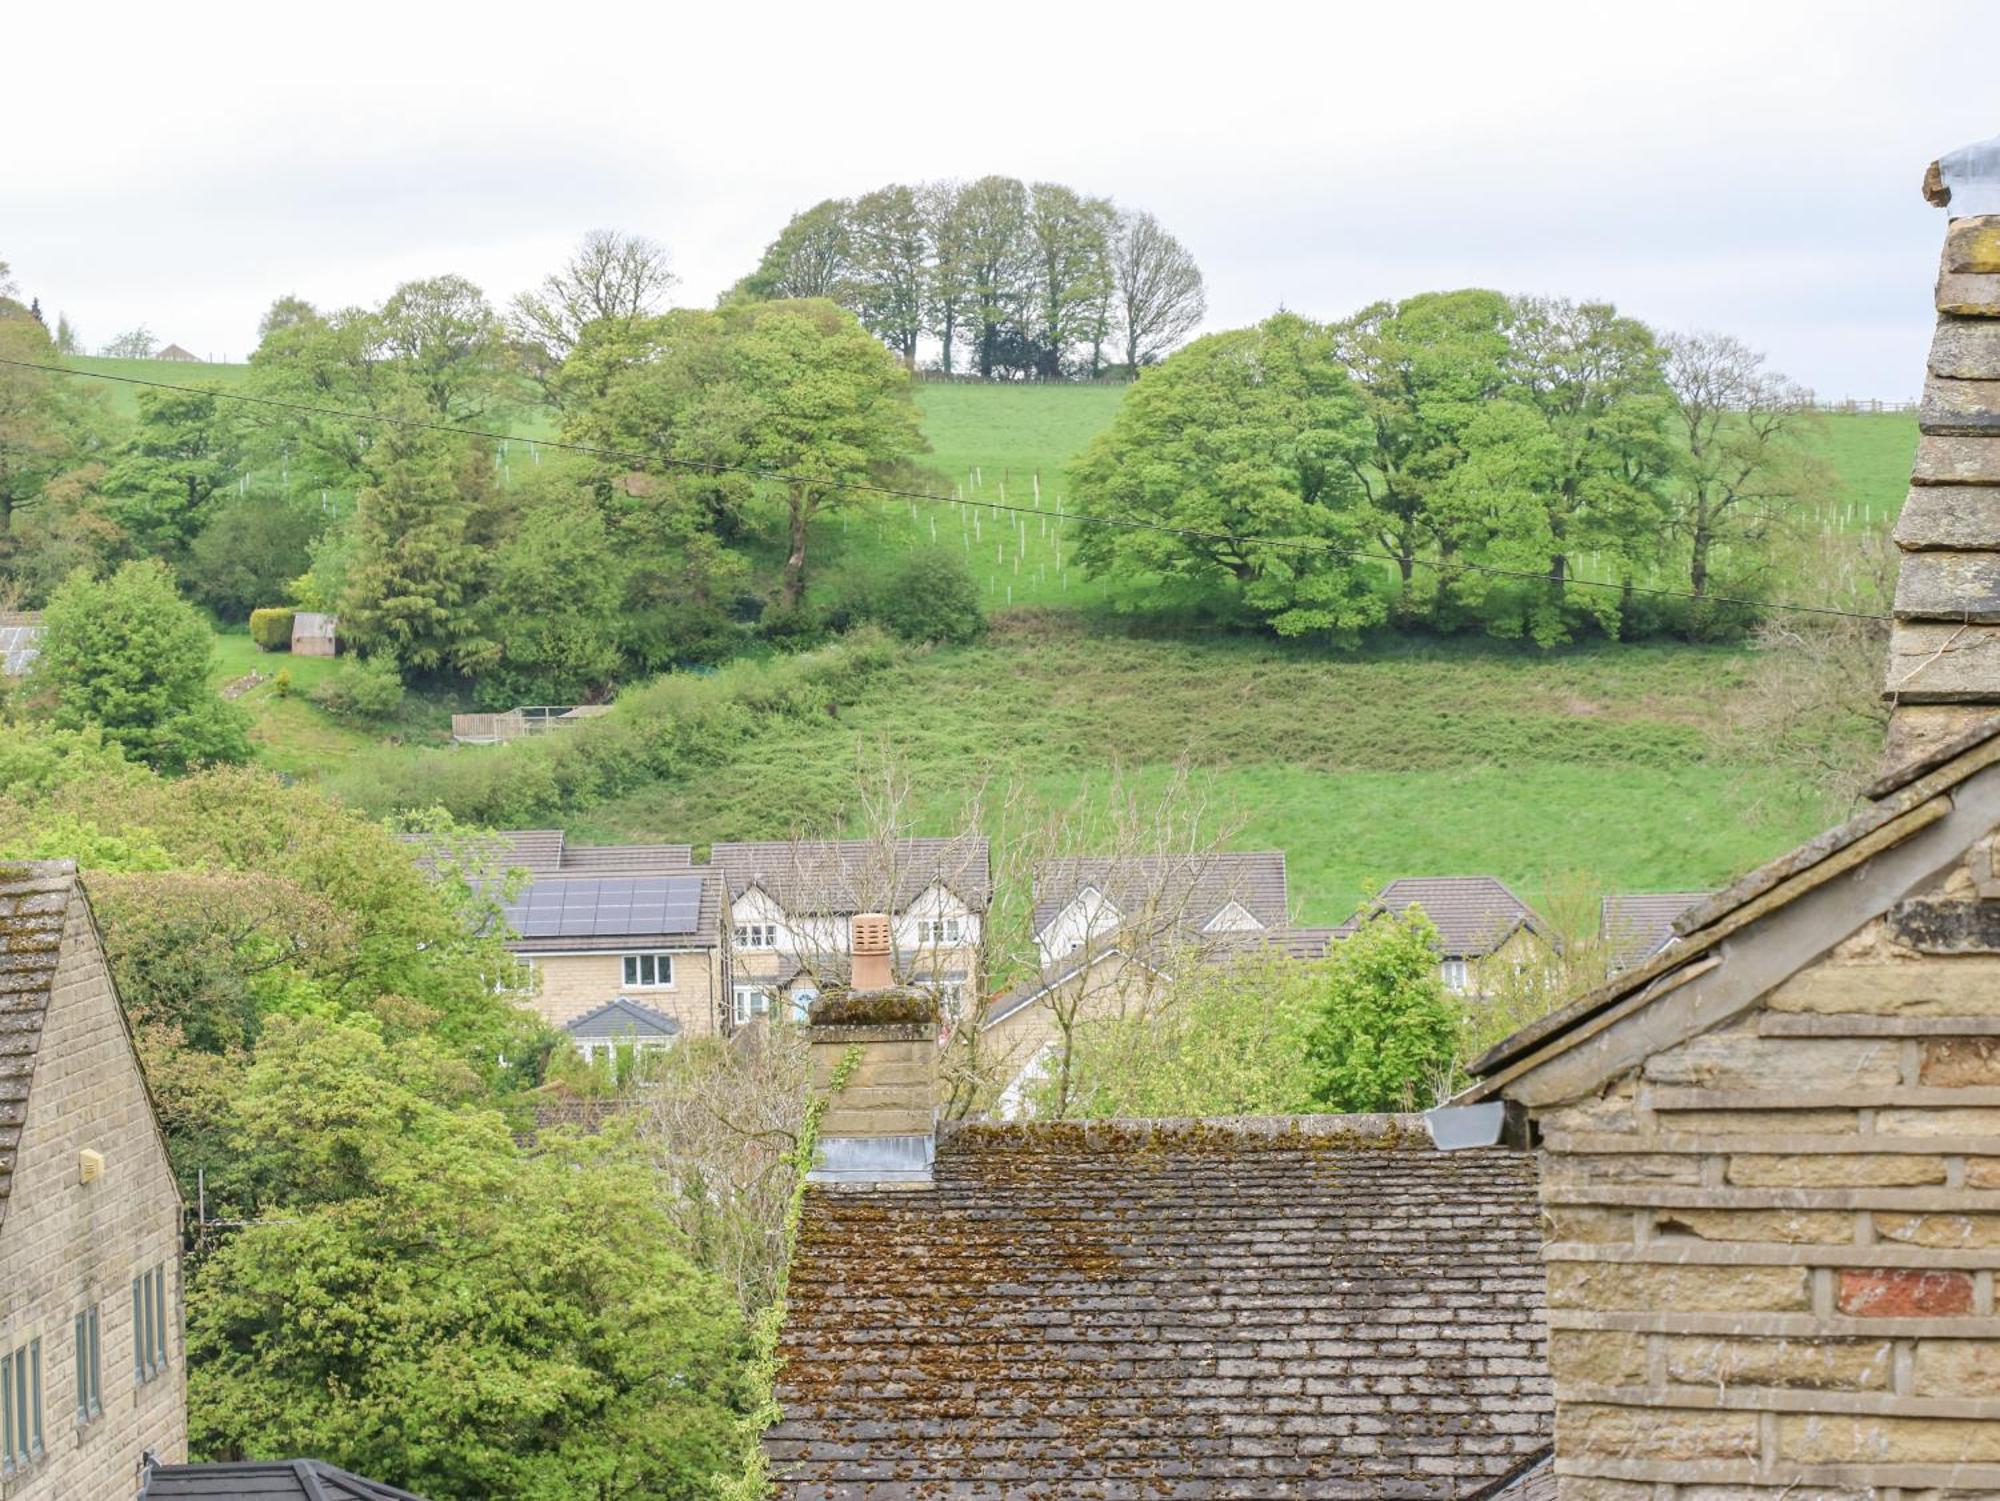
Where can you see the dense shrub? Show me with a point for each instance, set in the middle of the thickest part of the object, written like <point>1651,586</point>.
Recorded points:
<point>929,597</point>
<point>251,549</point>
<point>271,629</point>
<point>366,688</point>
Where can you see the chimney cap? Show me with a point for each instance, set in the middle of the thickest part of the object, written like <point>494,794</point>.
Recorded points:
<point>1966,181</point>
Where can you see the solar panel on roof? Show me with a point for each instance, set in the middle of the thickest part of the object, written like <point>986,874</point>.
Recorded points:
<point>607,907</point>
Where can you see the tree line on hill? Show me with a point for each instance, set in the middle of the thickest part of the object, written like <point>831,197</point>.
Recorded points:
<point>1030,281</point>
<point>1452,462</point>
<point>1456,461</point>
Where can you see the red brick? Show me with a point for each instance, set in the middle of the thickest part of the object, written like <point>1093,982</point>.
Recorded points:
<point>1892,1294</point>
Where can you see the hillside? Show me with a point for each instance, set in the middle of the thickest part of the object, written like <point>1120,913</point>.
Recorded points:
<point>1586,769</point>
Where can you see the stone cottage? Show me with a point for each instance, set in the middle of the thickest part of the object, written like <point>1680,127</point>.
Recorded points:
<point>93,1373</point>
<point>1771,1151</point>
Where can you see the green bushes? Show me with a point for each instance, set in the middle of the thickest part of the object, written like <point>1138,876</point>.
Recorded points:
<point>364,688</point>
<point>927,598</point>
<point>271,629</point>
<point>661,731</point>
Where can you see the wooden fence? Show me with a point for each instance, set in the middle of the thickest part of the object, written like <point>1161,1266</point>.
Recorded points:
<point>518,724</point>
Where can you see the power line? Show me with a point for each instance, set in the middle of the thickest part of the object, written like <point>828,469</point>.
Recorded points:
<point>703,466</point>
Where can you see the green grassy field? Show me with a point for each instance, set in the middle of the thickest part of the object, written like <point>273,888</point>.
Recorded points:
<point>124,399</point>
<point>1585,768</point>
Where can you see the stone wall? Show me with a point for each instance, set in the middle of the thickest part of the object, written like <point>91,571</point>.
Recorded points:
<point>573,985</point>
<point>1772,1247</point>
<point>66,1245</point>
<point>1944,653</point>
<point>891,1089</point>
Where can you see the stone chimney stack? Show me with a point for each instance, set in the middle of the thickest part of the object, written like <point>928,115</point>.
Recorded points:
<point>879,1043</point>
<point>1944,648</point>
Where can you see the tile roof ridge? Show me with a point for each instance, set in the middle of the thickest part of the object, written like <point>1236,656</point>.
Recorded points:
<point>1388,1128</point>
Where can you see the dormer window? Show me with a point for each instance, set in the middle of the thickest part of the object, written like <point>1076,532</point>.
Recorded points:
<point>757,935</point>
<point>1234,918</point>
<point>940,932</point>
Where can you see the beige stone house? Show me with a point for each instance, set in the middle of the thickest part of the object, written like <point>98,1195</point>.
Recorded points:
<point>1486,934</point>
<point>93,1371</point>
<point>1771,1151</point>
<point>791,903</point>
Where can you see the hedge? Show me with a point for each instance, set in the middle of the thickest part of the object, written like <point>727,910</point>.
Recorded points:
<point>272,629</point>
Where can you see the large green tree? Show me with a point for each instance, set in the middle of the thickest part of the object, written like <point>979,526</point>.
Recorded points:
<point>48,423</point>
<point>429,1304</point>
<point>1235,461</point>
<point>612,279</point>
<point>1424,367</point>
<point>892,270</point>
<point>1069,273</point>
<point>418,554</point>
<point>128,655</point>
<point>553,607</point>
<point>186,449</point>
<point>811,257</point>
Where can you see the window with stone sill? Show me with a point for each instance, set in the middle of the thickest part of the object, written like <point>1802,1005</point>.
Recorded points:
<point>21,1407</point>
<point>1455,974</point>
<point>149,1325</point>
<point>89,1367</point>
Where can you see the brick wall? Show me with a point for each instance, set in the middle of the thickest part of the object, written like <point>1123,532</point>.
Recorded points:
<point>65,1245</point>
<point>573,985</point>
<point>1772,1247</point>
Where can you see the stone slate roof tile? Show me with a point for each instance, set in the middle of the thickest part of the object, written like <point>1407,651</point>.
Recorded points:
<point>845,876</point>
<point>1317,1307</point>
<point>1187,889</point>
<point>34,898</point>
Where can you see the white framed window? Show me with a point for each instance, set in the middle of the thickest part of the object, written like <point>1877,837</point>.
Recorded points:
<point>751,1001</point>
<point>89,1367</point>
<point>21,1407</point>
<point>1456,975</point>
<point>648,971</point>
<point>756,935</point>
<point>940,932</point>
<point>149,1325</point>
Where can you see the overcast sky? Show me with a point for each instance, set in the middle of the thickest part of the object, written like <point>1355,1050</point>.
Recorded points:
<point>1751,167</point>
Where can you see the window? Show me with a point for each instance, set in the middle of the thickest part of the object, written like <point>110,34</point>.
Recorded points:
<point>803,997</point>
<point>751,1001</point>
<point>939,932</point>
<point>149,1325</point>
<point>757,935</point>
<point>1454,974</point>
<point>89,1367</point>
<point>20,1407</point>
<point>649,971</point>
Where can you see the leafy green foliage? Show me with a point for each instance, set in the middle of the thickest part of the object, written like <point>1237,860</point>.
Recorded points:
<point>431,1306</point>
<point>1385,1033</point>
<point>184,452</point>
<point>928,597</point>
<point>1247,443</point>
<point>130,656</point>
<point>553,608</point>
<point>271,628</point>
<point>1231,1041</point>
<point>364,688</point>
<point>250,551</point>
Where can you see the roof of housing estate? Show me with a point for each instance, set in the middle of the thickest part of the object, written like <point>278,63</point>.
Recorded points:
<point>1314,1306</point>
<point>844,876</point>
<point>264,1480</point>
<point>1635,925</point>
<point>622,1020</point>
<point>568,913</point>
<point>1473,915</point>
<point>1183,890</point>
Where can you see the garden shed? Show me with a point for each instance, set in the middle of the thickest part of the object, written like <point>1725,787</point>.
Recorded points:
<point>313,634</point>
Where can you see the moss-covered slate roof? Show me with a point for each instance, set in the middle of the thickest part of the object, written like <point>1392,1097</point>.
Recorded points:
<point>1321,1307</point>
<point>34,896</point>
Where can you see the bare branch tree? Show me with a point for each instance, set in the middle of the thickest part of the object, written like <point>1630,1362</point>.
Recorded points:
<point>611,277</point>
<point>1747,471</point>
<point>1160,297</point>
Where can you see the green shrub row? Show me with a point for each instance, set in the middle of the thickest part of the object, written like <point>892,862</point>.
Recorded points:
<point>657,732</point>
